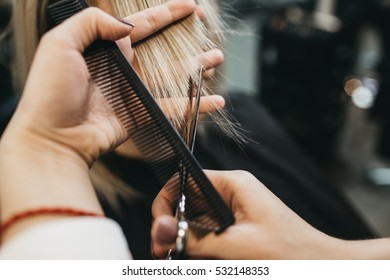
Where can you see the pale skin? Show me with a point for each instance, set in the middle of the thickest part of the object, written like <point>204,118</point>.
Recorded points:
<point>62,130</point>
<point>147,23</point>
<point>265,228</point>
<point>61,126</point>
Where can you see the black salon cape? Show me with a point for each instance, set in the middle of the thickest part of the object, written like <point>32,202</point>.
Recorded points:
<point>275,160</point>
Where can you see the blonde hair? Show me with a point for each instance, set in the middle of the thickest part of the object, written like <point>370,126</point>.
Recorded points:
<point>166,62</point>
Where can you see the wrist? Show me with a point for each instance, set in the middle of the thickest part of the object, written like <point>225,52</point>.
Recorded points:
<point>373,249</point>
<point>37,172</point>
<point>338,249</point>
<point>22,140</point>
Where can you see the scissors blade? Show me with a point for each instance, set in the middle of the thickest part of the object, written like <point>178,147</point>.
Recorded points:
<point>189,135</point>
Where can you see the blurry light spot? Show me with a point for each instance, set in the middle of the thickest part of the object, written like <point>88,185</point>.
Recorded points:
<point>379,176</point>
<point>351,84</point>
<point>270,55</point>
<point>295,15</point>
<point>363,98</point>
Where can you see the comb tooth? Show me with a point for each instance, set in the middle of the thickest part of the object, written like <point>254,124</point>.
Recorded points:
<point>171,164</point>
<point>111,78</point>
<point>103,76</point>
<point>115,92</point>
<point>104,60</point>
<point>103,69</point>
<point>99,59</point>
<point>151,132</point>
<point>160,142</point>
<point>141,118</point>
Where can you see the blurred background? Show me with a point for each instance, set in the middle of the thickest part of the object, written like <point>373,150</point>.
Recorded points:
<point>322,69</point>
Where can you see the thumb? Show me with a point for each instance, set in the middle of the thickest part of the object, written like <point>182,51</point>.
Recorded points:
<point>89,25</point>
<point>164,232</point>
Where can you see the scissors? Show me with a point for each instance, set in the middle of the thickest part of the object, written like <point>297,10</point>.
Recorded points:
<point>189,135</point>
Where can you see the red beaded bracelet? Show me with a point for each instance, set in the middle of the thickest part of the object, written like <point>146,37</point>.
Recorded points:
<point>45,211</point>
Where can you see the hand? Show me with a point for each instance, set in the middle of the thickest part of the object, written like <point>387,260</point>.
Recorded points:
<point>265,228</point>
<point>84,122</point>
<point>147,23</point>
<point>61,124</point>
<point>152,20</point>
<point>60,107</point>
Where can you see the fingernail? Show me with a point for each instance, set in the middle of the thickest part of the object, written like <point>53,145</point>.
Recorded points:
<point>220,100</point>
<point>124,21</point>
<point>166,232</point>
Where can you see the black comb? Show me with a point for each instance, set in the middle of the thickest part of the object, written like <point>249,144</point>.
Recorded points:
<point>153,135</point>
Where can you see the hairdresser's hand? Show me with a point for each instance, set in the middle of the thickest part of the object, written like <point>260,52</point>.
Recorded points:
<point>265,228</point>
<point>209,60</point>
<point>60,106</point>
<point>61,125</point>
<point>150,21</point>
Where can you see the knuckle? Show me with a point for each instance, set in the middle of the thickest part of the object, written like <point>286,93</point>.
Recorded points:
<point>51,37</point>
<point>93,14</point>
<point>151,20</point>
<point>219,55</point>
<point>244,177</point>
<point>92,11</point>
<point>242,173</point>
<point>178,9</point>
<point>188,5</point>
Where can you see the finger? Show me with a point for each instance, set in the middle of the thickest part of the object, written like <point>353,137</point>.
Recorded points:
<point>151,20</point>
<point>210,245</point>
<point>124,45</point>
<point>163,204</point>
<point>199,11</point>
<point>211,59</point>
<point>164,232</point>
<point>87,26</point>
<point>211,103</point>
<point>171,107</point>
<point>164,228</point>
<point>237,185</point>
<point>208,74</point>
<point>213,246</point>
<point>228,183</point>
